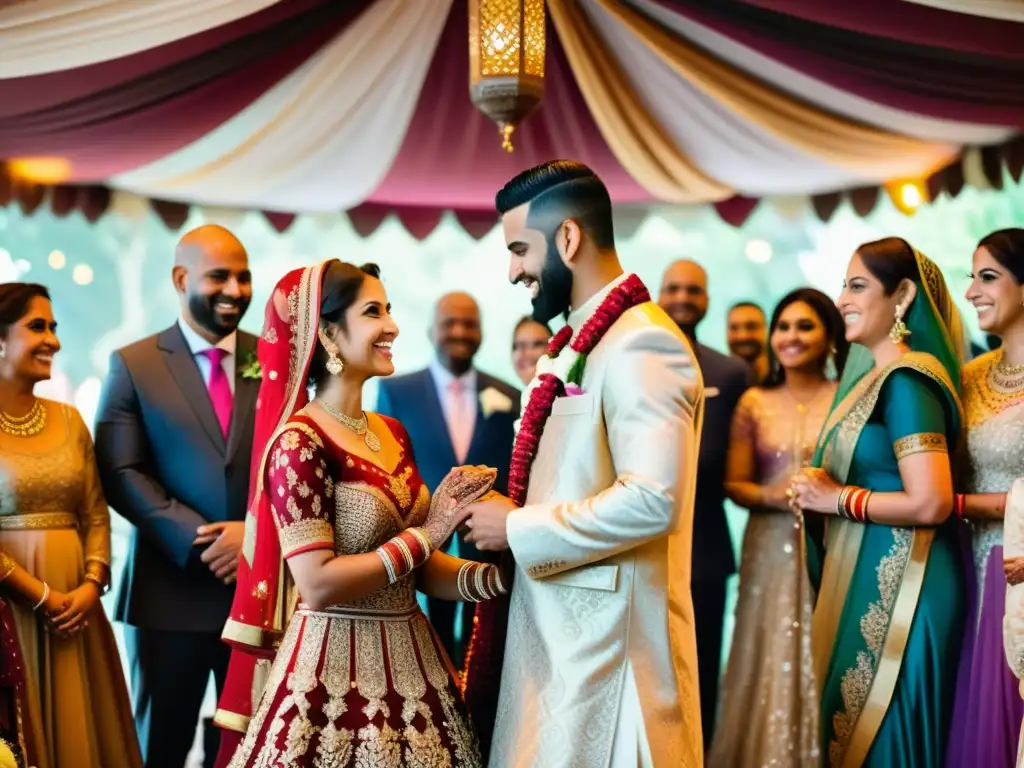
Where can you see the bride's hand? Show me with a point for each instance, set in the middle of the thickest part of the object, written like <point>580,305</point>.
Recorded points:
<point>460,487</point>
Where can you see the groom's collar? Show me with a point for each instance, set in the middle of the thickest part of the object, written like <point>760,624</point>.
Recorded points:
<point>579,316</point>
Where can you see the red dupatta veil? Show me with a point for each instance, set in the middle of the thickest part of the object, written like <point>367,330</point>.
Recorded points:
<point>262,604</point>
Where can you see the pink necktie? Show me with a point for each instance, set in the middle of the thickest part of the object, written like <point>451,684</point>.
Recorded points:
<point>460,425</point>
<point>219,388</point>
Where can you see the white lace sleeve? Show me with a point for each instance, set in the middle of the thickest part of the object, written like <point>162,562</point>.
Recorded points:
<point>1013,547</point>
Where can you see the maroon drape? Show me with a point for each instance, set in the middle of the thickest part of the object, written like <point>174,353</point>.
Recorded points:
<point>737,209</point>
<point>112,117</point>
<point>452,153</point>
<point>906,23</point>
<point>949,84</point>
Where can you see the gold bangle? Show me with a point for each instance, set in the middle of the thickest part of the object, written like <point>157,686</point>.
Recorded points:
<point>46,594</point>
<point>101,584</point>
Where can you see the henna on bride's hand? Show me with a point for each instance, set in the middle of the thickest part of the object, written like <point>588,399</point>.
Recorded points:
<point>448,506</point>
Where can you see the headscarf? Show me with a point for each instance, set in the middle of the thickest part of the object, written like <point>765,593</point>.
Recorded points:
<point>260,608</point>
<point>935,328</point>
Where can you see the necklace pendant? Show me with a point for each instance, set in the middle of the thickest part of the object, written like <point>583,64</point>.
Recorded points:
<point>372,441</point>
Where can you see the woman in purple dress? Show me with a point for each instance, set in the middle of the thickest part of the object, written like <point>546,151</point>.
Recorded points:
<point>987,717</point>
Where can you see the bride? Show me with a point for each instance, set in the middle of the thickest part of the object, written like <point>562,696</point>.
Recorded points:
<point>358,674</point>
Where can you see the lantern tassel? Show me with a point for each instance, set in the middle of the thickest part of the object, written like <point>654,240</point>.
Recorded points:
<point>506,136</point>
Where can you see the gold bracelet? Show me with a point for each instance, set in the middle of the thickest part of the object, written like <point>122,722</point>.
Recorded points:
<point>101,584</point>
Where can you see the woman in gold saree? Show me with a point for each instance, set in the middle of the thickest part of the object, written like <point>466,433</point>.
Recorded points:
<point>769,709</point>
<point>887,623</point>
<point>55,556</point>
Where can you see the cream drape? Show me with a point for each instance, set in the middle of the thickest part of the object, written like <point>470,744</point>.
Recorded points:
<point>725,146</point>
<point>872,151</point>
<point>324,137</point>
<point>813,91</point>
<point>1008,10</point>
<point>635,137</point>
<point>40,36</point>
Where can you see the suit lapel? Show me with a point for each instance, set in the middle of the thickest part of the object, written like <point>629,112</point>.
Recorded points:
<point>434,414</point>
<point>183,368</point>
<point>246,391</point>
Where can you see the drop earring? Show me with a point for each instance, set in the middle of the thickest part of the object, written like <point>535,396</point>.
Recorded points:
<point>899,331</point>
<point>334,364</point>
<point>3,353</point>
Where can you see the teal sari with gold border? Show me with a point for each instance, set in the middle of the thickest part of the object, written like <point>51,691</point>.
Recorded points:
<point>891,602</point>
<point>885,632</point>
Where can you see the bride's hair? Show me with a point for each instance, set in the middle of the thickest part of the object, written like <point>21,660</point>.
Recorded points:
<point>342,283</point>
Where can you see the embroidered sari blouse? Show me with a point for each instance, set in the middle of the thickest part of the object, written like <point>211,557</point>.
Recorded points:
<point>325,498</point>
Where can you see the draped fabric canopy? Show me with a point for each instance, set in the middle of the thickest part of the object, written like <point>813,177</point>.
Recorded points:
<point>316,105</point>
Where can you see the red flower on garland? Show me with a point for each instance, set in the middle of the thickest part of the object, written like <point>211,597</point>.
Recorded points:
<point>626,295</point>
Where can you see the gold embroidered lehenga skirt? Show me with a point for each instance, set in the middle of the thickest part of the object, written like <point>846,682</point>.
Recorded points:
<point>351,688</point>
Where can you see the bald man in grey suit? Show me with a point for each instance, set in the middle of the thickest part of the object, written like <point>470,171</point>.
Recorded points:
<point>173,443</point>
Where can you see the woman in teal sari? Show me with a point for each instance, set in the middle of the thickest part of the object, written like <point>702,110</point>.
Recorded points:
<point>890,607</point>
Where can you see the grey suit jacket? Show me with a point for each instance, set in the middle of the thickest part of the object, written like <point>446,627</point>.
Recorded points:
<point>166,468</point>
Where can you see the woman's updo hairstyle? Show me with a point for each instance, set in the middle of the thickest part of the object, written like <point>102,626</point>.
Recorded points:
<point>342,283</point>
<point>891,260</point>
<point>1007,247</point>
<point>14,301</point>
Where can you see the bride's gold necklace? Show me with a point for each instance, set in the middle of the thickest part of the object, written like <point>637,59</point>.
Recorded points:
<point>1006,378</point>
<point>32,423</point>
<point>359,426</point>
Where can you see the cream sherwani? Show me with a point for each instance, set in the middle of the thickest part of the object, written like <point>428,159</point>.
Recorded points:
<point>601,662</point>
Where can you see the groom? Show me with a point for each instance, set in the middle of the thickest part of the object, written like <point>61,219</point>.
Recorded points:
<point>600,667</point>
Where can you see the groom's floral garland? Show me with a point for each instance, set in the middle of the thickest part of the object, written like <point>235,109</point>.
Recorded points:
<point>626,295</point>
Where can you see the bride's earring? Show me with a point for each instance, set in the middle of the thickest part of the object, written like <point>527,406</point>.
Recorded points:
<point>899,331</point>
<point>334,364</point>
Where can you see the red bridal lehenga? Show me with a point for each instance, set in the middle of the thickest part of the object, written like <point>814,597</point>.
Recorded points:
<point>363,684</point>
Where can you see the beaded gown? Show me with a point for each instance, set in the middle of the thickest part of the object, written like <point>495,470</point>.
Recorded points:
<point>364,683</point>
<point>988,709</point>
<point>53,520</point>
<point>769,709</point>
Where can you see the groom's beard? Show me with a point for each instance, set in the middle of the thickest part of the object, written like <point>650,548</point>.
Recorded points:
<point>555,287</point>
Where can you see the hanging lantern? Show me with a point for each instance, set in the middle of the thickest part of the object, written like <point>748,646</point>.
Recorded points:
<point>506,60</point>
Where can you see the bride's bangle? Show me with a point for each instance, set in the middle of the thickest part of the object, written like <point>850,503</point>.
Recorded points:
<point>46,594</point>
<point>404,553</point>
<point>480,581</point>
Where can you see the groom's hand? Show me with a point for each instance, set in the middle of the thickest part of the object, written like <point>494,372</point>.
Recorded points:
<point>486,522</point>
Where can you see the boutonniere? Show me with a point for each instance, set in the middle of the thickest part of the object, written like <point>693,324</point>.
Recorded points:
<point>251,368</point>
<point>493,401</point>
